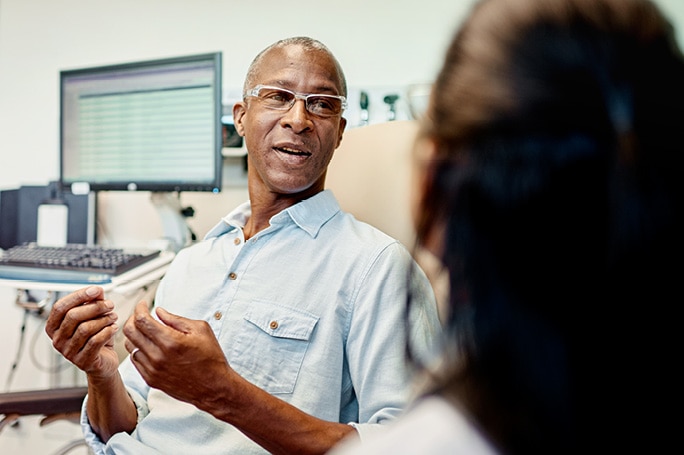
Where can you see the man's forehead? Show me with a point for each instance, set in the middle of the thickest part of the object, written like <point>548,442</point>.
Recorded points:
<point>284,62</point>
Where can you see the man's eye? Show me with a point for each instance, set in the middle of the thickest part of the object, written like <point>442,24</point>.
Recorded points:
<point>277,96</point>
<point>323,104</point>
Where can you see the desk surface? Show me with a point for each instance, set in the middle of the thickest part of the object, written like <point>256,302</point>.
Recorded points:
<point>126,282</point>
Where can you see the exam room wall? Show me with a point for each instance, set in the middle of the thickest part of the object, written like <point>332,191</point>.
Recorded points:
<point>378,42</point>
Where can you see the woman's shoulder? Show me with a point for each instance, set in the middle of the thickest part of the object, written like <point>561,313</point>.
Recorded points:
<point>431,425</point>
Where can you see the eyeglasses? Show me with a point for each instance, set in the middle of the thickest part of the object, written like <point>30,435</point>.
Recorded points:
<point>281,99</point>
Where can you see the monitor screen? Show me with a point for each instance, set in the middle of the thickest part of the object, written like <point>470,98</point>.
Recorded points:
<point>151,125</point>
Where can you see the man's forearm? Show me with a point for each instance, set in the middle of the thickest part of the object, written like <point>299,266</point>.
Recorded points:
<point>110,409</point>
<point>272,423</point>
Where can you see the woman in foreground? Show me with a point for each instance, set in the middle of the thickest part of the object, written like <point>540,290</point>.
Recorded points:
<point>550,185</point>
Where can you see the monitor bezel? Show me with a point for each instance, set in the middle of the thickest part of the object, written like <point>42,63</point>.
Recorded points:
<point>140,185</point>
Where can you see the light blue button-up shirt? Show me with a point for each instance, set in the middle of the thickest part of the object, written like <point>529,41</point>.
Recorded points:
<point>310,309</point>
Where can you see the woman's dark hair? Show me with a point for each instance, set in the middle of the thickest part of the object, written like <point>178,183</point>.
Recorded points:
<point>556,188</point>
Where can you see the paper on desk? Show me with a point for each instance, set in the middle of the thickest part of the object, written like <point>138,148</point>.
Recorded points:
<point>53,221</point>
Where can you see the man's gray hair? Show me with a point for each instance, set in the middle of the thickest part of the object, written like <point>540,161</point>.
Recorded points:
<point>304,42</point>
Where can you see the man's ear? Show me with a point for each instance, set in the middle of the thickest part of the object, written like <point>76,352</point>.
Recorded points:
<point>343,124</point>
<point>239,110</point>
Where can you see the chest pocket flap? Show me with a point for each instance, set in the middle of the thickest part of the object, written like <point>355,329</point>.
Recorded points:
<point>282,322</point>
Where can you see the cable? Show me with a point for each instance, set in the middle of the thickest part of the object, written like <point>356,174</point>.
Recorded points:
<point>20,349</point>
<point>34,359</point>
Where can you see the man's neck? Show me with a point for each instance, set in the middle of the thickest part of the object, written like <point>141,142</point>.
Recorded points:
<point>264,208</point>
<point>261,216</point>
<point>265,202</point>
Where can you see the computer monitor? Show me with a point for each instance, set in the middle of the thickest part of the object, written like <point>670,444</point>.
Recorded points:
<point>149,126</point>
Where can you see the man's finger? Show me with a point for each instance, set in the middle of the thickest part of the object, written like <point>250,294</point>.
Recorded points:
<point>66,303</point>
<point>174,321</point>
<point>141,325</point>
<point>77,298</point>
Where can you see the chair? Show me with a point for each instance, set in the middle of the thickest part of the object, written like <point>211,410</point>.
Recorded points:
<point>371,176</point>
<point>53,404</point>
<point>60,403</point>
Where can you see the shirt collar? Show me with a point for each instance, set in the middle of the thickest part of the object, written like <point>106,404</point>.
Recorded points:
<point>310,215</point>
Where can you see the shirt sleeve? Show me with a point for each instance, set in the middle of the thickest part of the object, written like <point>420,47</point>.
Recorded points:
<point>376,345</point>
<point>91,438</point>
<point>97,446</point>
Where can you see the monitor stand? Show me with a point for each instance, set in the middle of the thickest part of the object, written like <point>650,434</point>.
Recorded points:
<point>176,230</point>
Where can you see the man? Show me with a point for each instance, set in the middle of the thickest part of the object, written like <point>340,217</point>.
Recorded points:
<point>292,333</point>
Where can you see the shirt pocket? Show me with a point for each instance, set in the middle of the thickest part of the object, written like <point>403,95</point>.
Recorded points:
<point>270,345</point>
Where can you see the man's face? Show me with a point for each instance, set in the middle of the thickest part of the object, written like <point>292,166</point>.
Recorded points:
<point>289,151</point>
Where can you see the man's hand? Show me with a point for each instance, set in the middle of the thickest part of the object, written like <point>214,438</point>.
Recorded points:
<point>179,356</point>
<point>82,326</point>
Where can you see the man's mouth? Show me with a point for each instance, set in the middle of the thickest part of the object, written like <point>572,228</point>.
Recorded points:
<point>291,151</point>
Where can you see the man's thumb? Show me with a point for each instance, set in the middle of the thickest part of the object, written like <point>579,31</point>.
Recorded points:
<point>174,321</point>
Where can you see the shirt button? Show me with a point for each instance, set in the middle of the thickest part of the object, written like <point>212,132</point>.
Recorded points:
<point>232,275</point>
<point>218,315</point>
<point>273,325</point>
<point>237,240</point>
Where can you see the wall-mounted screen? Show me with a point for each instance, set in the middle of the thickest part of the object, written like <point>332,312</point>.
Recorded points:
<point>151,125</point>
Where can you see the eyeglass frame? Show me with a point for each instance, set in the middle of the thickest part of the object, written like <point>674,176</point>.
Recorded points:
<point>254,92</point>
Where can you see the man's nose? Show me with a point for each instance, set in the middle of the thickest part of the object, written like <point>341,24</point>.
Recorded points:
<point>297,117</point>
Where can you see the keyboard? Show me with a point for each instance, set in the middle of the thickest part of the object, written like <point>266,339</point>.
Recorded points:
<point>72,263</point>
